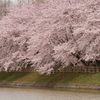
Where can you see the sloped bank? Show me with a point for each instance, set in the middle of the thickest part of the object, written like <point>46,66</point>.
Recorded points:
<point>50,85</point>
<point>56,80</point>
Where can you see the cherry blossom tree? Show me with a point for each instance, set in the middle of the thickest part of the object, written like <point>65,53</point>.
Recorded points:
<point>51,35</point>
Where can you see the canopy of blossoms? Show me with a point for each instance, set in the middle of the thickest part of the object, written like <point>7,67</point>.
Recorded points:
<point>51,35</point>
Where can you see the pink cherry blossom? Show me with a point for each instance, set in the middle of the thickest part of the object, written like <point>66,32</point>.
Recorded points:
<point>51,35</point>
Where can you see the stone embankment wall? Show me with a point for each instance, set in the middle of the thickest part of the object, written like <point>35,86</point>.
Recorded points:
<point>50,85</point>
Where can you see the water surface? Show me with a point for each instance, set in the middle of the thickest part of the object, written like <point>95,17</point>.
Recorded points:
<point>47,94</point>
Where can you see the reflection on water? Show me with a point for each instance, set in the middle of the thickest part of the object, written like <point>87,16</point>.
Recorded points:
<point>47,94</point>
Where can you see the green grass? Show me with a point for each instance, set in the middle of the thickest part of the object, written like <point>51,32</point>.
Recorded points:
<point>77,78</point>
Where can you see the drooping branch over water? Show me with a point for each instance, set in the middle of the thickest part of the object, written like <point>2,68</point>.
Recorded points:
<point>51,34</point>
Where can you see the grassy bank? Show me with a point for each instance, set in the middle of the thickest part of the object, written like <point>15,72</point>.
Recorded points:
<point>77,78</point>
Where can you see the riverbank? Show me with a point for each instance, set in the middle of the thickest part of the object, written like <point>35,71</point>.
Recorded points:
<point>57,80</point>
<point>49,85</point>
